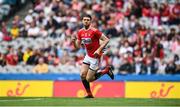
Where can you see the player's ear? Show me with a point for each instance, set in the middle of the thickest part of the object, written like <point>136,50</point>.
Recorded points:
<point>82,18</point>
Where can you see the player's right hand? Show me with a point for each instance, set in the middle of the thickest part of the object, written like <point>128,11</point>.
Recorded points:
<point>73,38</point>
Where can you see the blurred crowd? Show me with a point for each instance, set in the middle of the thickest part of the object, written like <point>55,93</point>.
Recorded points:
<point>145,35</point>
<point>10,7</point>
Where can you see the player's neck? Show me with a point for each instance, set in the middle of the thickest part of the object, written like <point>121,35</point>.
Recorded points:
<point>86,27</point>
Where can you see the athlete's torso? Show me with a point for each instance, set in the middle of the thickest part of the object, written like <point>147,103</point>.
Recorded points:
<point>90,38</point>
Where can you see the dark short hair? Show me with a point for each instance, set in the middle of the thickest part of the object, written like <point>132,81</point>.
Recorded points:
<point>86,15</point>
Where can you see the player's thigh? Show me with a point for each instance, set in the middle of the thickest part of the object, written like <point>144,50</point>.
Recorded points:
<point>90,75</point>
<point>84,70</point>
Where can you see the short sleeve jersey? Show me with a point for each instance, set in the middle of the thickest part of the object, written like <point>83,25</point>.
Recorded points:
<point>90,38</point>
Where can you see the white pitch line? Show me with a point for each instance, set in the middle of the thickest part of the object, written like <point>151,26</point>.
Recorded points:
<point>32,99</point>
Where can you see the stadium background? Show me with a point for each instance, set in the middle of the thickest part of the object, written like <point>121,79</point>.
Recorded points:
<point>144,48</point>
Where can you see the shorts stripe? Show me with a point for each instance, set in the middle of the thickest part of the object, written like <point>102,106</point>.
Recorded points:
<point>92,69</point>
<point>86,63</point>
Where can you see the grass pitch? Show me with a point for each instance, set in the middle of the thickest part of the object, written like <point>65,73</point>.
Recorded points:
<point>21,101</point>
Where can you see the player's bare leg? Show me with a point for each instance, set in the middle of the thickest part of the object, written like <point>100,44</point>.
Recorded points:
<point>90,75</point>
<point>84,71</point>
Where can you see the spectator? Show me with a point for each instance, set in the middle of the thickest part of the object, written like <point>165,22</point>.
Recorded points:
<point>65,58</point>
<point>171,34</point>
<point>116,60</point>
<point>125,48</point>
<point>127,67</point>
<point>53,60</point>
<point>12,58</point>
<point>20,54</point>
<point>5,32</point>
<point>33,31</point>
<point>159,50</point>
<point>43,32</point>
<point>14,31</point>
<point>27,54</point>
<point>165,12</point>
<point>162,66</point>
<point>2,59</point>
<point>170,68</point>
<point>174,17</point>
<point>177,63</point>
<point>33,59</point>
<point>29,18</point>
<point>138,65</point>
<point>16,21</point>
<point>41,67</point>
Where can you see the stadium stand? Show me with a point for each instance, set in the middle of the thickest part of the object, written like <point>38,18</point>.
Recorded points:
<point>145,36</point>
<point>9,7</point>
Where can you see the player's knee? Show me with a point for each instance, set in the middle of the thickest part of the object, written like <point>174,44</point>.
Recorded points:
<point>89,79</point>
<point>83,76</point>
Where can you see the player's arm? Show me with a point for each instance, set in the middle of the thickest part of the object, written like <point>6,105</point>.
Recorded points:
<point>76,42</point>
<point>104,41</point>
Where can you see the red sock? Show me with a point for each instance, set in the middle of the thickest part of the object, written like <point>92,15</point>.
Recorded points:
<point>106,70</point>
<point>101,73</point>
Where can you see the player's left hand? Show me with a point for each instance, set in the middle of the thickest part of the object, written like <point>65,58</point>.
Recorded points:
<point>97,53</point>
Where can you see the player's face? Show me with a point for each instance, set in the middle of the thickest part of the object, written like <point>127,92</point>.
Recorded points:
<point>86,21</point>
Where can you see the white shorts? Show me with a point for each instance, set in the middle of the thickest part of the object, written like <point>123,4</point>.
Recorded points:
<point>92,62</point>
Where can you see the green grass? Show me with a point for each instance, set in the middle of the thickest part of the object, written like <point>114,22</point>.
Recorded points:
<point>20,101</point>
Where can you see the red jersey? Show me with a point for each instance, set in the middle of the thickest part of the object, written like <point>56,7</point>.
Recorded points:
<point>90,38</point>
